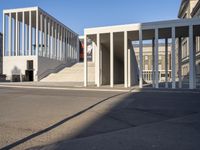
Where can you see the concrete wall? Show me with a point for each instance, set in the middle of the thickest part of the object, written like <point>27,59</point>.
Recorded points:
<point>118,67</point>
<point>105,65</point>
<point>47,66</point>
<point>133,66</point>
<point>18,65</point>
<point>118,71</point>
<point>43,66</point>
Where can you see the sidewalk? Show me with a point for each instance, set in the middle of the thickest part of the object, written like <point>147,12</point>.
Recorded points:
<point>91,87</point>
<point>63,86</point>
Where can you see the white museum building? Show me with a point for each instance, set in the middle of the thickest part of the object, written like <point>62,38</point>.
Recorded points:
<point>115,57</point>
<point>37,47</point>
<point>35,44</point>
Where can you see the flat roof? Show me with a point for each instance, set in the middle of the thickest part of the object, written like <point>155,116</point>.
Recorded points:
<point>144,26</point>
<point>35,8</point>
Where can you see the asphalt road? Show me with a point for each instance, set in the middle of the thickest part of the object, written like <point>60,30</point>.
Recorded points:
<point>74,120</point>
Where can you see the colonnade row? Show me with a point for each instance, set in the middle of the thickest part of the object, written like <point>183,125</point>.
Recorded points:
<point>34,32</point>
<point>176,72</point>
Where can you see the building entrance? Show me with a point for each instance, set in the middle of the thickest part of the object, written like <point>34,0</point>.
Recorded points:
<point>29,72</point>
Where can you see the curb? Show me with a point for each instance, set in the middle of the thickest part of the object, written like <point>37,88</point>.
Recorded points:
<point>65,88</point>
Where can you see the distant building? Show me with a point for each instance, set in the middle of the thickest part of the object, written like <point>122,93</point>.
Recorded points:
<point>148,62</point>
<point>189,9</point>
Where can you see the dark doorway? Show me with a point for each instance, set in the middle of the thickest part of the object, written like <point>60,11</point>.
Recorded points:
<point>29,71</point>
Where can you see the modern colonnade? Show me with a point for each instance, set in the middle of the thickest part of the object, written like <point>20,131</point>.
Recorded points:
<point>33,32</point>
<point>174,30</point>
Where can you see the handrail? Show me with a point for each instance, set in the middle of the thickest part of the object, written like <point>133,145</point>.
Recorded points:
<point>56,69</point>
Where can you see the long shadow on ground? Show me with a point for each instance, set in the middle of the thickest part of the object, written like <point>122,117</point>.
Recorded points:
<point>65,120</point>
<point>145,120</point>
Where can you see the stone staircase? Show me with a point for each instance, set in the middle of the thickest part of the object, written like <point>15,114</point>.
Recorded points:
<point>73,73</point>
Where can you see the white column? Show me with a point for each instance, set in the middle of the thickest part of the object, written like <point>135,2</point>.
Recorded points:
<point>48,38</point>
<point>173,59</point>
<point>179,62</point>
<point>111,60</point>
<point>156,59</point>
<point>66,45</point>
<point>70,47</point>
<point>41,35</point>
<point>98,61</point>
<point>4,23</point>
<point>61,42</point>
<point>36,44</point>
<point>10,35</point>
<point>26,48</point>
<point>192,73</point>
<point>129,65</point>
<point>59,39</point>
<point>71,41</point>
<point>68,57</point>
<point>23,28</point>
<point>51,55</point>
<point>16,35</point>
<point>74,47</point>
<point>37,32</point>
<point>166,63</point>
<point>85,62</point>
<point>153,63</point>
<point>75,43</point>
<point>30,34</point>
<point>56,41</point>
<point>64,34</point>
<point>141,59</point>
<point>125,59</point>
<point>45,36</point>
<point>93,49</point>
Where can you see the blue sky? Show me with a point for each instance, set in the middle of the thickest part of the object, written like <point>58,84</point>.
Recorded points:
<point>79,14</point>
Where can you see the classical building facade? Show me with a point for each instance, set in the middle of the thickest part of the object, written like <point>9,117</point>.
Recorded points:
<point>190,9</point>
<point>148,61</point>
<point>36,44</point>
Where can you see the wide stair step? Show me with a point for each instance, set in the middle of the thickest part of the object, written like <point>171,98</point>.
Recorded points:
<point>74,73</point>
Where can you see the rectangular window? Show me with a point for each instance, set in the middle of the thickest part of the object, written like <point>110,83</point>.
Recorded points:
<point>30,65</point>
<point>146,67</point>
